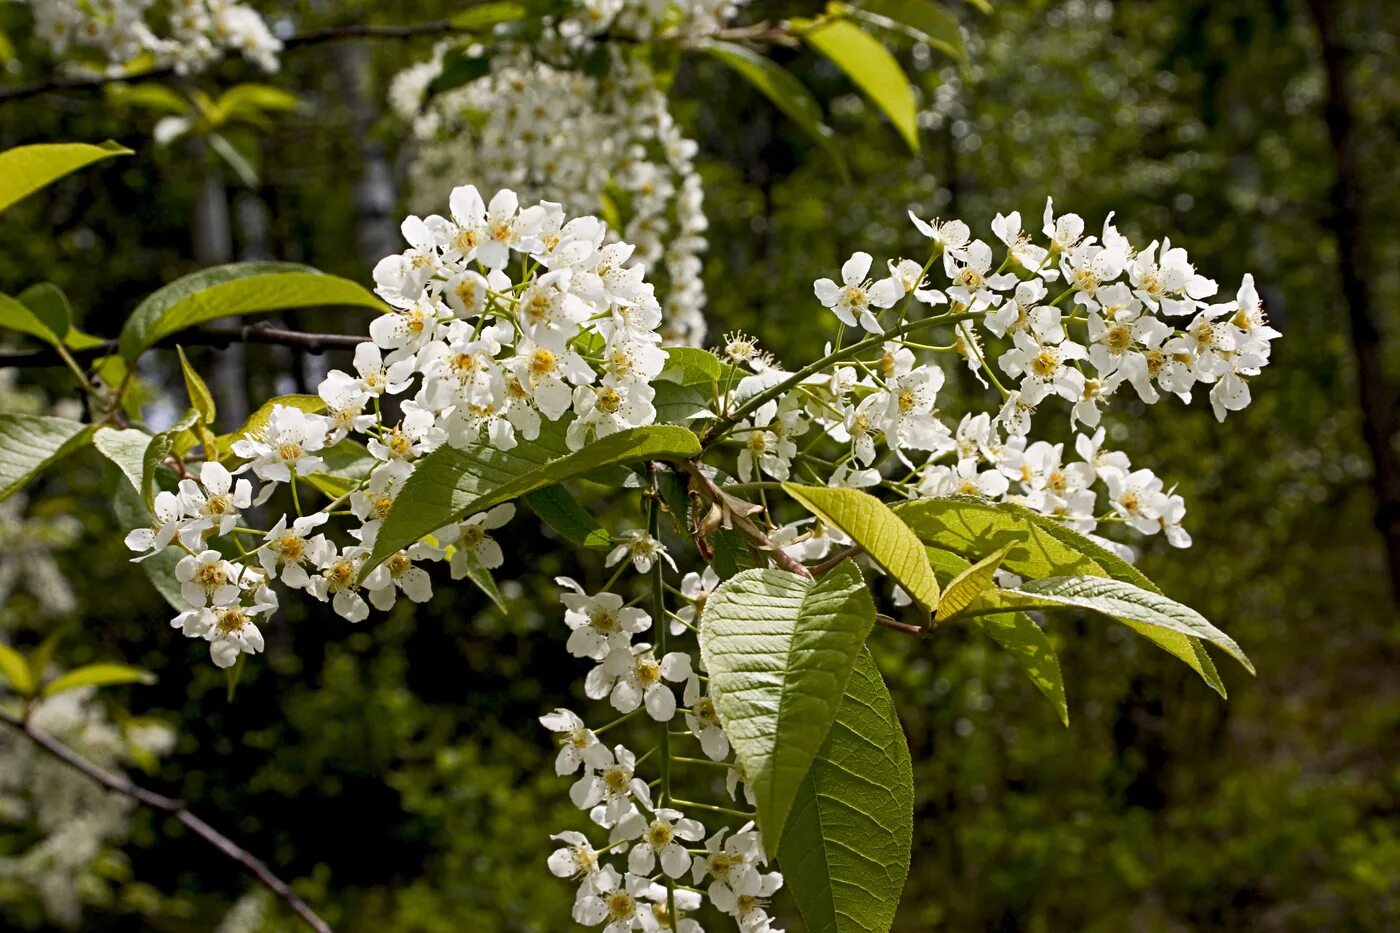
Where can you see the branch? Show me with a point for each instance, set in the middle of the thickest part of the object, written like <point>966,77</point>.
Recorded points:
<point>220,337</point>
<point>762,33</point>
<point>120,785</point>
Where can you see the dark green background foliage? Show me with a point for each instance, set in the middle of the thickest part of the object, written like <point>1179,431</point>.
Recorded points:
<point>396,766</point>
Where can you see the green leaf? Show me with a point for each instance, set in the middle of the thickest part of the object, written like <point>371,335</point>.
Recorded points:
<point>1017,634</point>
<point>51,307</point>
<point>700,370</point>
<point>786,92</point>
<point>1117,600</point>
<point>779,650</point>
<point>483,15</point>
<point>675,403</point>
<point>26,169</point>
<point>930,21</point>
<point>201,399</point>
<point>451,484</point>
<point>845,851</point>
<point>872,68</point>
<point>480,576</point>
<point>458,68</point>
<point>732,553</point>
<point>871,524</point>
<point>15,669</point>
<point>1041,547</point>
<point>559,510</point>
<point>969,584</point>
<point>250,102</point>
<point>974,528</point>
<point>238,288</point>
<point>151,95</point>
<point>311,404</point>
<point>98,675</point>
<point>16,316</point>
<point>127,449</point>
<point>31,443</point>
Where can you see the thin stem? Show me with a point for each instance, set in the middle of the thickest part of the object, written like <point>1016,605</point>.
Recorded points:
<point>905,627</point>
<point>176,808</point>
<point>707,806</point>
<point>658,612</point>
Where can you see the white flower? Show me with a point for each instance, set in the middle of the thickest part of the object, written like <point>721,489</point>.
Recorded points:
<point>219,502</point>
<point>907,417</point>
<point>609,786</point>
<point>1137,497</point>
<point>579,747</point>
<point>229,629</point>
<point>167,520</point>
<point>606,409</point>
<point>696,588</point>
<point>974,283</point>
<point>949,236</point>
<point>547,376</point>
<point>207,579</point>
<point>338,581</point>
<point>600,625</point>
<point>963,479</point>
<point>852,300</point>
<point>633,678</point>
<point>703,722</point>
<point>286,549</point>
<point>662,839</point>
<point>398,574</point>
<point>416,435</point>
<point>470,540</point>
<point>287,443</point>
<point>641,548</point>
<point>615,902</point>
<point>1044,368</point>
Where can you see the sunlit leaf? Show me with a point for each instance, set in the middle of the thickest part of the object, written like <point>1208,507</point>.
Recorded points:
<point>872,68</point>
<point>871,524</point>
<point>779,650</point>
<point>26,169</point>
<point>98,675</point>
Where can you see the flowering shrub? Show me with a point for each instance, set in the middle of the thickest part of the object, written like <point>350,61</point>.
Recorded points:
<point>520,349</point>
<point>739,738</point>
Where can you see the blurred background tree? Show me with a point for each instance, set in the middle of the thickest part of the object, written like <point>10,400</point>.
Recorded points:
<point>397,769</point>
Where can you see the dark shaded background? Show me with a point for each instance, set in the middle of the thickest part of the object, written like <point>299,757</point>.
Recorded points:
<point>397,766</point>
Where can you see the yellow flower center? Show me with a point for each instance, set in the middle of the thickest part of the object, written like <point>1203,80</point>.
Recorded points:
<point>648,671</point>
<point>1118,338</point>
<point>290,547</point>
<point>660,834</point>
<point>541,362</point>
<point>609,401</point>
<point>230,620</point>
<point>1045,364</point>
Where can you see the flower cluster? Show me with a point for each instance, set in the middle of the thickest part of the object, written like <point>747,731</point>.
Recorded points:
<point>197,32</point>
<point>538,123</point>
<point>466,355</point>
<point>1119,317</point>
<point>650,834</point>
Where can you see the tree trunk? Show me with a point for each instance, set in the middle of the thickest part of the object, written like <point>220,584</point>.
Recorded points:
<point>1348,224</point>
